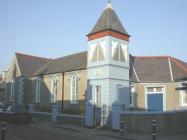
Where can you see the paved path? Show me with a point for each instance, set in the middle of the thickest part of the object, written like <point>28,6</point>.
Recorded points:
<point>62,132</point>
<point>34,132</point>
<point>51,132</point>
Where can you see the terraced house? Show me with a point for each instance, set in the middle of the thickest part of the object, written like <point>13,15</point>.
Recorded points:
<point>104,74</point>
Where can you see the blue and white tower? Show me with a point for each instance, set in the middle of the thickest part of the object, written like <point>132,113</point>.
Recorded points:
<point>108,61</point>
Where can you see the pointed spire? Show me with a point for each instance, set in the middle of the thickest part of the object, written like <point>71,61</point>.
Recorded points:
<point>108,21</point>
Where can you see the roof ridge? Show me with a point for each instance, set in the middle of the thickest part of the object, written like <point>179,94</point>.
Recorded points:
<point>176,61</point>
<point>69,55</point>
<point>32,56</point>
<point>164,56</point>
<point>43,67</point>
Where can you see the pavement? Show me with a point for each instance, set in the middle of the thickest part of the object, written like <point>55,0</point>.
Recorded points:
<point>49,131</point>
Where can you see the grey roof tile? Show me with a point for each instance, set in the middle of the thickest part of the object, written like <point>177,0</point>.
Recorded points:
<point>152,69</point>
<point>108,21</point>
<point>30,64</point>
<point>67,63</point>
<point>148,69</point>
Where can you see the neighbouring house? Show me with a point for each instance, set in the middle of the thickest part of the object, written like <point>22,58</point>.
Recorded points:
<point>182,89</point>
<point>2,86</point>
<point>104,74</point>
<point>2,91</point>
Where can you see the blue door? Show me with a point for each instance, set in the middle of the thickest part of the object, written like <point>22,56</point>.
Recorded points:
<point>155,102</point>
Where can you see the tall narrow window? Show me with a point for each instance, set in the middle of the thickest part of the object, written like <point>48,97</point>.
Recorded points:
<point>118,92</point>
<point>74,88</point>
<point>184,97</point>
<point>98,95</point>
<point>132,97</point>
<point>38,87</point>
<point>53,89</point>
<point>12,90</point>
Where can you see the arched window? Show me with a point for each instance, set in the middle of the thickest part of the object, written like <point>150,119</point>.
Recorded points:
<point>53,89</point>
<point>12,90</point>
<point>38,87</point>
<point>74,88</point>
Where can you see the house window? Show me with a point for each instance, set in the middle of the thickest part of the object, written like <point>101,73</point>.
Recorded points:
<point>155,89</point>
<point>132,97</point>
<point>98,54</point>
<point>118,92</point>
<point>184,97</point>
<point>38,87</point>
<point>53,89</point>
<point>12,90</point>
<point>98,95</point>
<point>74,88</point>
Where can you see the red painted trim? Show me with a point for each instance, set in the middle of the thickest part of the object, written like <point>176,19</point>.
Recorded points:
<point>178,63</point>
<point>107,33</point>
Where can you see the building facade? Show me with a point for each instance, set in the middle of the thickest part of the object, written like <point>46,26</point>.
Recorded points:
<point>104,74</point>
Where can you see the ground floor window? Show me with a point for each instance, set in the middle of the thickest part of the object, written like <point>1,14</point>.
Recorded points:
<point>12,90</point>
<point>118,92</point>
<point>97,95</point>
<point>53,89</point>
<point>132,97</point>
<point>38,86</point>
<point>184,97</point>
<point>74,88</point>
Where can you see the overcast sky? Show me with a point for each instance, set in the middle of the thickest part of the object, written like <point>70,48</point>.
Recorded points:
<point>54,28</point>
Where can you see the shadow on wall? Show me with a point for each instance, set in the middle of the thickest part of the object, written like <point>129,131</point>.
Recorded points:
<point>64,106</point>
<point>45,104</point>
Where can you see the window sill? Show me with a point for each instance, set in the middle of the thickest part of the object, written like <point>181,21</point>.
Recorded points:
<point>132,106</point>
<point>183,105</point>
<point>53,102</point>
<point>73,103</point>
<point>37,102</point>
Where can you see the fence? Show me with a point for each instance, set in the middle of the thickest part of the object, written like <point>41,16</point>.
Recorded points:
<point>141,122</point>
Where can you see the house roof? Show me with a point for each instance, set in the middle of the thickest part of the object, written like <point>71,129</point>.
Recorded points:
<point>108,21</point>
<point>29,64</point>
<point>157,68</point>
<point>142,69</point>
<point>67,63</point>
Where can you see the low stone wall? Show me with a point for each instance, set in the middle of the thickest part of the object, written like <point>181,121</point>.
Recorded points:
<point>141,122</point>
<point>12,117</point>
<point>71,119</point>
<point>61,118</point>
<point>41,116</point>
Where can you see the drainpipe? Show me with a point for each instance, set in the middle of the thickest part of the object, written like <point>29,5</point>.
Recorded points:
<point>63,92</point>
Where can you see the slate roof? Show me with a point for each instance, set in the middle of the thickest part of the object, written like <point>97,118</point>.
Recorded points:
<point>156,69</point>
<point>30,64</point>
<point>145,69</point>
<point>108,21</point>
<point>72,62</point>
